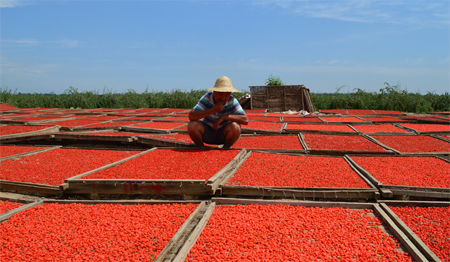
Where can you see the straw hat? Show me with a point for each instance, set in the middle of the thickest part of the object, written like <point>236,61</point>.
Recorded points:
<point>223,84</point>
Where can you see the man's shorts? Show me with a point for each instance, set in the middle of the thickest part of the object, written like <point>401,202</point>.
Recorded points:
<point>212,136</point>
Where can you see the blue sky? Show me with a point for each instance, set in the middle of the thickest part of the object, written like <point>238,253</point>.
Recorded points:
<point>47,46</point>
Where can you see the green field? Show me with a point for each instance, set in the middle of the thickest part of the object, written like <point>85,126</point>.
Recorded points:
<point>389,98</point>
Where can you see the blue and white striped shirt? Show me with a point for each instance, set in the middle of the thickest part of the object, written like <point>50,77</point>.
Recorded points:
<point>231,107</point>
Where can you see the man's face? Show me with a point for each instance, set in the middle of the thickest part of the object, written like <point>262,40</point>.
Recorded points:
<point>221,97</point>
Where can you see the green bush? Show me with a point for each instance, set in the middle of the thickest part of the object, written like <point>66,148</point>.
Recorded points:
<point>274,81</point>
<point>72,98</point>
<point>388,98</point>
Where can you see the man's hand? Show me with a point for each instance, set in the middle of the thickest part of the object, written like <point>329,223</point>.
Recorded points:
<point>217,108</point>
<point>218,121</point>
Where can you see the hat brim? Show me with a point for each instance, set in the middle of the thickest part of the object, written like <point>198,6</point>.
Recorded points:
<point>225,89</point>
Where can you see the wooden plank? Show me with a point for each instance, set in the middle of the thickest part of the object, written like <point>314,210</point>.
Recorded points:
<point>121,202</point>
<point>189,243</point>
<point>325,132</point>
<point>108,166</point>
<point>363,171</point>
<point>441,138</point>
<point>418,188</point>
<point>419,244</point>
<point>29,153</point>
<point>133,187</point>
<point>181,235</point>
<point>415,203</point>
<point>6,215</point>
<point>144,130</point>
<point>80,136</point>
<point>243,201</point>
<point>214,182</point>
<point>302,141</point>
<point>22,139</point>
<point>159,142</point>
<point>381,144</point>
<point>349,152</point>
<point>236,167</point>
<point>52,129</point>
<point>413,251</point>
<point>298,193</point>
<point>15,200</point>
<point>22,187</point>
<point>420,193</point>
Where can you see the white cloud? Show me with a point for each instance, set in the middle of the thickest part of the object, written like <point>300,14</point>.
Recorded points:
<point>412,12</point>
<point>69,43</point>
<point>21,41</point>
<point>66,43</point>
<point>13,3</point>
<point>332,62</point>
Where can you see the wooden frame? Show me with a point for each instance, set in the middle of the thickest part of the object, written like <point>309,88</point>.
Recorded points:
<point>389,151</point>
<point>391,191</point>
<point>314,193</point>
<point>78,185</point>
<point>392,228</point>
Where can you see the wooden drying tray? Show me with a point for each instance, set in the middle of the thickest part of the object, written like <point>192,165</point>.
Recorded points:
<point>390,225</point>
<point>386,133</point>
<point>389,151</point>
<point>326,132</point>
<point>407,153</point>
<point>428,132</point>
<point>261,131</point>
<point>171,248</point>
<point>309,193</point>
<point>363,122</point>
<point>393,191</point>
<point>26,187</point>
<point>78,185</point>
<point>274,150</point>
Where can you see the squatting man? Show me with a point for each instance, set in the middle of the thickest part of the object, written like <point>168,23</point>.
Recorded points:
<point>222,116</point>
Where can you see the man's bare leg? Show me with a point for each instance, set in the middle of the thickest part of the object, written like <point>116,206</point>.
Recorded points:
<point>196,131</point>
<point>232,132</point>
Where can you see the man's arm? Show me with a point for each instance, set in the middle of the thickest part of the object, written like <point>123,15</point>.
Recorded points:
<point>195,115</point>
<point>241,119</point>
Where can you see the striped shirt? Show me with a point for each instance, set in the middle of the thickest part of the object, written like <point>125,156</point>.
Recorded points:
<point>231,107</point>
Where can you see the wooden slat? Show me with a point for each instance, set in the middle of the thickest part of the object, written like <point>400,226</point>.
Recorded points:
<point>6,215</point>
<point>22,187</point>
<point>413,251</point>
<point>300,194</point>
<point>214,182</point>
<point>182,234</point>
<point>159,142</point>
<point>190,242</point>
<point>52,129</point>
<point>80,136</point>
<point>363,171</point>
<point>108,166</point>
<point>29,153</point>
<point>243,201</point>
<point>420,246</point>
<point>150,187</point>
